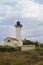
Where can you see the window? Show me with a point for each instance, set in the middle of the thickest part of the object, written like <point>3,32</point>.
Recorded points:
<point>8,41</point>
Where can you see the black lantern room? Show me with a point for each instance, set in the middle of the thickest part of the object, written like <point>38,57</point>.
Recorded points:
<point>18,24</point>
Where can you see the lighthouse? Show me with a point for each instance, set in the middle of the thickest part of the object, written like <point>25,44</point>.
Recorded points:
<point>18,32</point>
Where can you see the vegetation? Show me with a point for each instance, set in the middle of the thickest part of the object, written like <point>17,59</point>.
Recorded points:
<point>14,56</point>
<point>41,45</point>
<point>29,42</point>
<point>31,57</point>
<point>9,49</point>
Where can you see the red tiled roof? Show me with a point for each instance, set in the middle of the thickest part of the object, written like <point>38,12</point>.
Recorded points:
<point>11,38</point>
<point>14,39</point>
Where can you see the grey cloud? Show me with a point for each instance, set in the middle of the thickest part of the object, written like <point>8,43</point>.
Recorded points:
<point>39,1</point>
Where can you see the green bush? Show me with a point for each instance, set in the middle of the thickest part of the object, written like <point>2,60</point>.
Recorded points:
<point>28,42</point>
<point>9,49</point>
<point>36,44</point>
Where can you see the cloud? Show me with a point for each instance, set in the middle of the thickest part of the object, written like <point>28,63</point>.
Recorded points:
<point>38,1</point>
<point>32,29</point>
<point>23,8</point>
<point>30,14</point>
<point>6,31</point>
<point>6,11</point>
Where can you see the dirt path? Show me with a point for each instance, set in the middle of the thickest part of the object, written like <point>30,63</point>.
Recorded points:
<point>39,63</point>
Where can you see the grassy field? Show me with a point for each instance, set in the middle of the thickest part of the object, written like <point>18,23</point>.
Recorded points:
<point>39,63</point>
<point>32,57</point>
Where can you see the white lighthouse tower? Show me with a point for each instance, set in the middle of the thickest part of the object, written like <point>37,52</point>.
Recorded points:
<point>18,32</point>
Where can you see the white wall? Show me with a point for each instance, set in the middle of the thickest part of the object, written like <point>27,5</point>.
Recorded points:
<point>13,43</point>
<point>18,35</point>
<point>27,47</point>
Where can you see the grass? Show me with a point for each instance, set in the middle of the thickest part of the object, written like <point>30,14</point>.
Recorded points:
<point>31,57</point>
<point>39,63</point>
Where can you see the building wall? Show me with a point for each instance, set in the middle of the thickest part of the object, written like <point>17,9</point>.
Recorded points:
<point>18,35</point>
<point>27,47</point>
<point>13,43</point>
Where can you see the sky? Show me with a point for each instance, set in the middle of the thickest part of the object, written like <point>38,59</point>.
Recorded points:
<point>30,14</point>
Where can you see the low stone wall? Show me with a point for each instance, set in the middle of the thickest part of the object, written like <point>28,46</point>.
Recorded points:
<point>27,47</point>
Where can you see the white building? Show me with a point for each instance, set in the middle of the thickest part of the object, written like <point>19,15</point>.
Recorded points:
<point>15,42</point>
<point>9,41</point>
<point>18,33</point>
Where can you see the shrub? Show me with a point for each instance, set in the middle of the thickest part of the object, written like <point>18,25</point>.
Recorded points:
<point>9,49</point>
